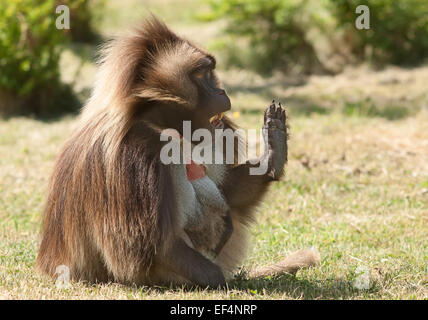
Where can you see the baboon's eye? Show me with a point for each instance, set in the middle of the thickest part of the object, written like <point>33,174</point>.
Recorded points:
<point>200,74</point>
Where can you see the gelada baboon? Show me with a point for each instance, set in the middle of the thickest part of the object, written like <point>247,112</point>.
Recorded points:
<point>115,212</point>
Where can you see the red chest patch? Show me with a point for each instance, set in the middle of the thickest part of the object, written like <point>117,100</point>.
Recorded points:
<point>195,171</point>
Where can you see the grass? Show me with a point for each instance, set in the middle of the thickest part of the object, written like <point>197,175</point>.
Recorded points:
<point>356,188</point>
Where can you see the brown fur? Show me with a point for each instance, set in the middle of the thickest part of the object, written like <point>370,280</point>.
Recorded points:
<point>110,214</point>
<point>291,264</point>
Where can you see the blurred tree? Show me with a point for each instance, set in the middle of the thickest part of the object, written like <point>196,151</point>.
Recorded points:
<point>398,31</point>
<point>281,32</point>
<point>276,29</point>
<point>30,49</point>
<point>83,15</point>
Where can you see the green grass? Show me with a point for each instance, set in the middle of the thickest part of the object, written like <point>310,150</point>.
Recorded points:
<point>356,186</point>
<point>356,189</point>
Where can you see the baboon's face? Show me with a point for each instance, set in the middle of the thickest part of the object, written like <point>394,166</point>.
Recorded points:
<point>185,73</point>
<point>212,100</point>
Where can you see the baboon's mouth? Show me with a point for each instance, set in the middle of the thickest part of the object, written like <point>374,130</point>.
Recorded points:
<point>216,121</point>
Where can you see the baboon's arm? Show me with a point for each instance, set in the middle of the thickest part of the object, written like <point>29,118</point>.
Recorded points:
<point>246,183</point>
<point>243,190</point>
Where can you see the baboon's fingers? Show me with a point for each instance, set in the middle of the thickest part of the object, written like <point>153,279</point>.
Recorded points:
<point>269,111</point>
<point>283,115</point>
<point>290,264</point>
<point>278,111</point>
<point>272,109</point>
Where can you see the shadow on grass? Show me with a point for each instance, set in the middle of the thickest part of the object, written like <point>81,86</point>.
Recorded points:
<point>366,108</point>
<point>68,103</point>
<point>297,288</point>
<point>305,106</point>
<point>48,105</point>
<point>299,105</point>
<point>289,285</point>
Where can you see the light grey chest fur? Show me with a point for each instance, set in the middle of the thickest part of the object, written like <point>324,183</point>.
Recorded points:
<point>198,198</point>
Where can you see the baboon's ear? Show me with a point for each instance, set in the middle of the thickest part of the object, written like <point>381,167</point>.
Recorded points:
<point>157,94</point>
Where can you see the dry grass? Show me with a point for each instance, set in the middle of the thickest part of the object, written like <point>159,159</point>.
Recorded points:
<point>356,188</point>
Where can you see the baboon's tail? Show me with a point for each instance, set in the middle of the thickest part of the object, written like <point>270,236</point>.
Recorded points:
<point>290,264</point>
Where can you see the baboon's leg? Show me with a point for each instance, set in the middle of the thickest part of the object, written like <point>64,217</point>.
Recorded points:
<point>184,261</point>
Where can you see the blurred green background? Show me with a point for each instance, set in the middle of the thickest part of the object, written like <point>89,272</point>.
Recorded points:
<point>293,37</point>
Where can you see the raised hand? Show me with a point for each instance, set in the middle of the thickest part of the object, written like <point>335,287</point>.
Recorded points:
<point>275,136</point>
